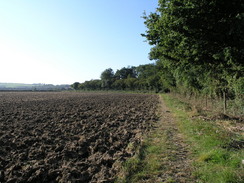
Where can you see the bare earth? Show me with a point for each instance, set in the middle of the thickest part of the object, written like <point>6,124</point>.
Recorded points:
<point>69,137</point>
<point>75,137</point>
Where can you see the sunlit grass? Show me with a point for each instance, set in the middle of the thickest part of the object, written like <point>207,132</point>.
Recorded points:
<point>213,162</point>
<point>147,163</point>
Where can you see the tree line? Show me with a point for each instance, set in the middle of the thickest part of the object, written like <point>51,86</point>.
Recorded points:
<point>141,78</point>
<point>197,47</point>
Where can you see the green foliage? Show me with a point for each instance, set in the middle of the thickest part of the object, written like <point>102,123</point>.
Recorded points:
<point>75,85</point>
<point>198,45</point>
<point>125,72</point>
<point>145,71</point>
<point>143,77</point>
<point>239,86</point>
<point>107,78</point>
<point>119,84</point>
<point>198,50</point>
<point>91,85</point>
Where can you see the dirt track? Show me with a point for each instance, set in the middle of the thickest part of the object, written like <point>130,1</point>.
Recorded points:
<point>176,155</point>
<point>69,137</point>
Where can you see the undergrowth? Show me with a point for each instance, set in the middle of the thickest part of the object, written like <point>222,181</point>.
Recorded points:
<point>213,161</point>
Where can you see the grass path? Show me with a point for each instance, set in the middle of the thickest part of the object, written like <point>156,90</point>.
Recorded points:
<point>217,152</point>
<point>163,157</point>
<point>175,154</point>
<point>180,148</point>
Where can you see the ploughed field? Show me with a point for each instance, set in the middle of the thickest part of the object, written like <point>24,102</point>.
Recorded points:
<point>70,137</point>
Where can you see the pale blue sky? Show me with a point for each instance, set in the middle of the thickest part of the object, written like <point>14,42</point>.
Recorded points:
<point>63,41</point>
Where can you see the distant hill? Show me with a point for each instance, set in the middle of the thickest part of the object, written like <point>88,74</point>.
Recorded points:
<point>33,87</point>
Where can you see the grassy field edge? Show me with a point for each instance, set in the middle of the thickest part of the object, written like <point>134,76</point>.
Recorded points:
<point>212,157</point>
<point>161,156</point>
<point>216,157</point>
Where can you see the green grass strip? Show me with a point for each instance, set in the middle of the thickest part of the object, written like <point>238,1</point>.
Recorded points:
<point>213,161</point>
<point>147,164</point>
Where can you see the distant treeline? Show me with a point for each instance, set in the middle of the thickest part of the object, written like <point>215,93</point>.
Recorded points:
<point>32,87</point>
<point>198,49</point>
<point>144,78</point>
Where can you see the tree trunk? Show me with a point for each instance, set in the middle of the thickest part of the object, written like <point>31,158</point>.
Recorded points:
<point>225,102</point>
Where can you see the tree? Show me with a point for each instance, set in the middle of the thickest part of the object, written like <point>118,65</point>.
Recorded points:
<point>130,83</point>
<point>119,84</point>
<point>91,85</point>
<point>144,71</point>
<point>75,85</point>
<point>107,78</point>
<point>125,72</point>
<point>191,37</point>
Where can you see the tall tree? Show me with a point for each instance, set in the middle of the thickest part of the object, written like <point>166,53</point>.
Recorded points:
<point>75,85</point>
<point>107,77</point>
<point>125,72</point>
<point>199,42</point>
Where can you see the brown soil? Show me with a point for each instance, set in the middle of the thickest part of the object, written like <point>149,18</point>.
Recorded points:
<point>70,137</point>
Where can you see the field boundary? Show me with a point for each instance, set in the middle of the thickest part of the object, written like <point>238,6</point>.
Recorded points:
<point>217,152</point>
<point>182,147</point>
<point>163,155</point>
